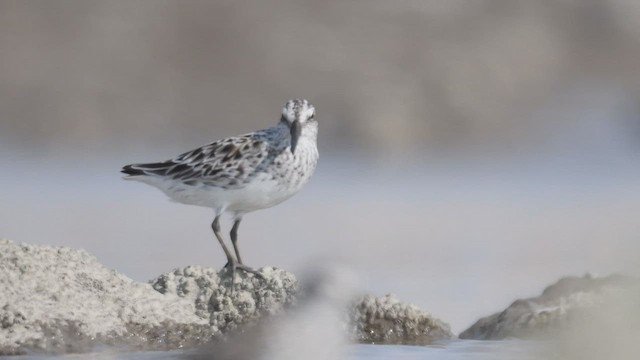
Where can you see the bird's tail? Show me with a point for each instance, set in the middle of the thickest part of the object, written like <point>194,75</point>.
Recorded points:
<point>131,170</point>
<point>135,170</point>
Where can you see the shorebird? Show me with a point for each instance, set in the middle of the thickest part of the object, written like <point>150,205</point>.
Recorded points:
<point>240,174</point>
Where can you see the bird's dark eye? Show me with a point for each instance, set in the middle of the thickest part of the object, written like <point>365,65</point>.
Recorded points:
<point>312,116</point>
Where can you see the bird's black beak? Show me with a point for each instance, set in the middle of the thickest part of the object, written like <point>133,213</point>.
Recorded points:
<point>296,129</point>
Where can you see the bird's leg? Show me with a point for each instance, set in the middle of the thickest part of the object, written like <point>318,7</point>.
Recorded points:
<point>234,241</point>
<point>234,238</point>
<point>232,263</point>
<point>216,230</point>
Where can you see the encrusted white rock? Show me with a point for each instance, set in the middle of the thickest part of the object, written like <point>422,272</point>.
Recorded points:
<point>56,299</point>
<point>252,298</point>
<point>386,320</point>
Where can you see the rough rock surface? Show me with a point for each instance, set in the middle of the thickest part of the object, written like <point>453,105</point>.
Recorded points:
<point>57,299</point>
<point>562,304</point>
<point>386,320</point>
<point>252,297</point>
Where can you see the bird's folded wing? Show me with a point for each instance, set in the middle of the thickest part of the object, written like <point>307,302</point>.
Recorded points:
<point>225,163</point>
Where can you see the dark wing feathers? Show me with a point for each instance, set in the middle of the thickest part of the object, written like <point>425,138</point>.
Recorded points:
<point>216,163</point>
<point>131,171</point>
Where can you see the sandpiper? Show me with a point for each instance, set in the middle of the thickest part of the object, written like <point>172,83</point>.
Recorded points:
<point>241,174</point>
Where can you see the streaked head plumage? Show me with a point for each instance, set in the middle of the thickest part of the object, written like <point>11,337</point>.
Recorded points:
<point>298,114</point>
<point>298,109</point>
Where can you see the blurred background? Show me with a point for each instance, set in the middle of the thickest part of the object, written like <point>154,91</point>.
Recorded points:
<point>472,152</point>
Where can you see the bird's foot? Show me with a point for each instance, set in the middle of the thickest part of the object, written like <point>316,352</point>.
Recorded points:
<point>232,266</point>
<point>240,266</point>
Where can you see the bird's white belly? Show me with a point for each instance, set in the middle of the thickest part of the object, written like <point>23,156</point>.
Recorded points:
<point>261,193</point>
<point>255,196</point>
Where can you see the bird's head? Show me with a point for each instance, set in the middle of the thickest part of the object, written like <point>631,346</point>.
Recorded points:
<point>297,114</point>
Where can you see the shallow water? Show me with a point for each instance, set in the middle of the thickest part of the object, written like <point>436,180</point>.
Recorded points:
<point>454,350</point>
<point>459,349</point>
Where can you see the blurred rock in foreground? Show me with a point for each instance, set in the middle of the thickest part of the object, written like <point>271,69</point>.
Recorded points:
<point>58,299</point>
<point>386,320</point>
<point>568,306</point>
<point>315,328</point>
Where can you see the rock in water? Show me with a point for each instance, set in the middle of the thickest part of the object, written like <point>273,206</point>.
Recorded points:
<point>57,299</point>
<point>386,320</point>
<point>562,307</point>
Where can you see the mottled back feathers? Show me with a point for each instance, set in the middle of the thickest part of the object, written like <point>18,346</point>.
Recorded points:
<point>226,163</point>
